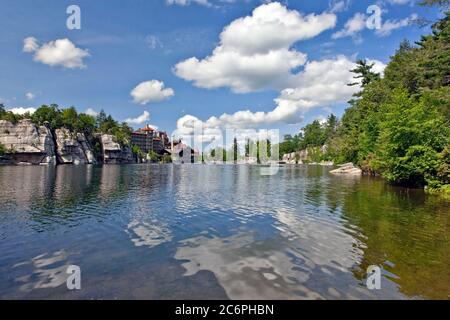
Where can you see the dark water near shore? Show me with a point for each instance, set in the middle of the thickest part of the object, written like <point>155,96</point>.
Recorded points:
<point>210,232</point>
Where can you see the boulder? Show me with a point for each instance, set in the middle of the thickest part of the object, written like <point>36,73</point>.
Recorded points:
<point>347,169</point>
<point>73,148</point>
<point>27,142</point>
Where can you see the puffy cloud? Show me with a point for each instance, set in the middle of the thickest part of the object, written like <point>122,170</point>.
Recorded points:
<point>391,25</point>
<point>357,23</point>
<point>91,112</point>
<point>22,110</point>
<point>151,91</point>
<point>352,27</point>
<point>320,84</point>
<point>30,96</point>
<point>378,66</point>
<point>139,120</point>
<point>60,52</point>
<point>255,51</point>
<point>323,82</point>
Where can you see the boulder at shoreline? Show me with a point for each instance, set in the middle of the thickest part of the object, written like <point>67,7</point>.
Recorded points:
<point>347,169</point>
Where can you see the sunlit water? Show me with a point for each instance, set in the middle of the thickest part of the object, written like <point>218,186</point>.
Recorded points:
<point>217,232</point>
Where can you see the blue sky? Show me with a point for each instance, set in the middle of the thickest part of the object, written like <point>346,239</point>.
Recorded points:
<point>133,42</point>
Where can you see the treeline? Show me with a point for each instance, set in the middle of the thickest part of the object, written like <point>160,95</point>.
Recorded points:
<point>312,136</point>
<point>55,117</point>
<point>260,150</point>
<point>399,124</point>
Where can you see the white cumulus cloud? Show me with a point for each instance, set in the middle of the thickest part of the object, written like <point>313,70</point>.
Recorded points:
<point>151,91</point>
<point>390,25</point>
<point>352,27</point>
<point>140,119</point>
<point>91,112</point>
<point>255,51</point>
<point>60,52</point>
<point>320,84</point>
<point>22,110</point>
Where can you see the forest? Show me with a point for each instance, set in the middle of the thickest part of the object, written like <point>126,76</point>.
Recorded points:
<point>398,125</point>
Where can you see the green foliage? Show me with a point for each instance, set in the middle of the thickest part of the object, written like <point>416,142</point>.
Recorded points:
<point>166,158</point>
<point>136,150</point>
<point>364,74</point>
<point>312,135</point>
<point>2,150</point>
<point>107,124</point>
<point>399,125</point>
<point>48,115</point>
<point>11,117</point>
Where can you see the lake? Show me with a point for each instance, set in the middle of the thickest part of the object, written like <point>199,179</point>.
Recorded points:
<point>217,232</point>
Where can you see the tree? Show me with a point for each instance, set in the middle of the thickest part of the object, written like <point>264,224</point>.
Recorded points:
<point>247,148</point>
<point>235,150</point>
<point>441,3</point>
<point>364,72</point>
<point>412,136</point>
<point>50,115</point>
<point>69,118</point>
<point>313,135</point>
<point>85,123</point>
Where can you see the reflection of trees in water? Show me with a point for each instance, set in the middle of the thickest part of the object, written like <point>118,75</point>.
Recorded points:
<point>63,194</point>
<point>405,232</point>
<point>22,185</point>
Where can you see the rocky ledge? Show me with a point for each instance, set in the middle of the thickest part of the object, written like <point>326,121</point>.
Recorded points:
<point>28,144</point>
<point>113,152</point>
<point>347,169</point>
<point>73,148</point>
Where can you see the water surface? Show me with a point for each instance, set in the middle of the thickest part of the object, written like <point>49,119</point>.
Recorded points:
<point>217,232</point>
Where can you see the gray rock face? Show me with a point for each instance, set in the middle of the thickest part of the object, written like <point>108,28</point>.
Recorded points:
<point>73,148</point>
<point>113,152</point>
<point>32,145</point>
<point>29,143</point>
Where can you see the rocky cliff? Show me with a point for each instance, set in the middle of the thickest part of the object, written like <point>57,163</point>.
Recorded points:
<point>29,144</point>
<point>73,148</point>
<point>113,152</point>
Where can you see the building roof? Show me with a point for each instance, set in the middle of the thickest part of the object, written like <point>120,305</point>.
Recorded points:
<point>146,129</point>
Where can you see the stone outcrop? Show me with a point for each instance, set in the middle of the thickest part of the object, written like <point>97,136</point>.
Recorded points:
<point>113,152</point>
<point>347,169</point>
<point>73,148</point>
<point>28,143</point>
<point>304,156</point>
